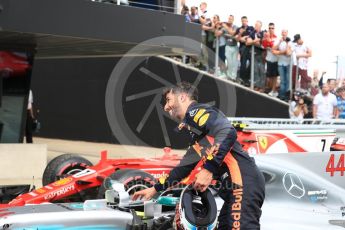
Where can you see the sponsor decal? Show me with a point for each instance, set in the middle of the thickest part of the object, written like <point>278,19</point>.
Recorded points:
<point>159,175</point>
<point>317,195</point>
<point>40,190</point>
<point>84,173</point>
<point>236,209</point>
<point>193,112</point>
<point>203,119</point>
<point>62,181</point>
<point>293,185</point>
<point>336,165</point>
<point>59,192</point>
<point>198,115</point>
<point>321,192</point>
<point>263,142</point>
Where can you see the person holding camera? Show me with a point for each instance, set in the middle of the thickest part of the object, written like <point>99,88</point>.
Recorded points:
<point>298,108</point>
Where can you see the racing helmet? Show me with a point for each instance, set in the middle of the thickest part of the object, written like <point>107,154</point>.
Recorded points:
<point>197,210</point>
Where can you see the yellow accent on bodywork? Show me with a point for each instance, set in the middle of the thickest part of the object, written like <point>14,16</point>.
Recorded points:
<point>162,179</point>
<point>142,214</point>
<point>263,141</point>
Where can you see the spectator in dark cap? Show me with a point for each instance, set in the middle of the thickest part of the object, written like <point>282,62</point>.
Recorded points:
<point>303,53</point>
<point>296,37</point>
<point>185,13</point>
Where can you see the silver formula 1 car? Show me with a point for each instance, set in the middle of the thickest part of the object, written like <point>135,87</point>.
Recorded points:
<point>296,198</point>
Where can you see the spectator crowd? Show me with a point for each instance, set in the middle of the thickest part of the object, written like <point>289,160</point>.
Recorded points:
<point>279,63</point>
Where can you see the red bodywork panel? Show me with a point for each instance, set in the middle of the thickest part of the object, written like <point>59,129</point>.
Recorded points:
<point>338,147</point>
<point>13,64</point>
<point>251,139</point>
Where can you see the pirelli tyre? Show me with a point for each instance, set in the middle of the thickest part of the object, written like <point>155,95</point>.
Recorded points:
<point>133,180</point>
<point>63,166</point>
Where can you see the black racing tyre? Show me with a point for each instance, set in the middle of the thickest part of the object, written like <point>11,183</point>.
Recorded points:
<point>63,166</point>
<point>133,180</point>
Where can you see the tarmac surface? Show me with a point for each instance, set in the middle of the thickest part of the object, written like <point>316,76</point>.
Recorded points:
<point>88,150</point>
<point>91,151</point>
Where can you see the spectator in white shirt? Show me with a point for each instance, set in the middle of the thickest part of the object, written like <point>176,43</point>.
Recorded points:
<point>302,54</point>
<point>324,104</point>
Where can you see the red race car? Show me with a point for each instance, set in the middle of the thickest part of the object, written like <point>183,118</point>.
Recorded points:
<point>86,181</point>
<point>73,178</point>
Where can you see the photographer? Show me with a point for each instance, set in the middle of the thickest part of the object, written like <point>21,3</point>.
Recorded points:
<point>298,109</point>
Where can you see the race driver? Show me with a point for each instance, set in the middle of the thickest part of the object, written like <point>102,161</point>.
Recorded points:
<point>214,138</point>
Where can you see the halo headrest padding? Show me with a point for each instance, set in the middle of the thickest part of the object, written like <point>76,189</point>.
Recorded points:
<point>200,208</point>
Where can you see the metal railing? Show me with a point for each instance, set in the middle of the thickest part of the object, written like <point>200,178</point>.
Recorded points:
<point>288,124</point>
<point>252,67</point>
<point>160,7</point>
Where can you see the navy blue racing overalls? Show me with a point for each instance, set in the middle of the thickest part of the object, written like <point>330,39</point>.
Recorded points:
<point>242,185</point>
